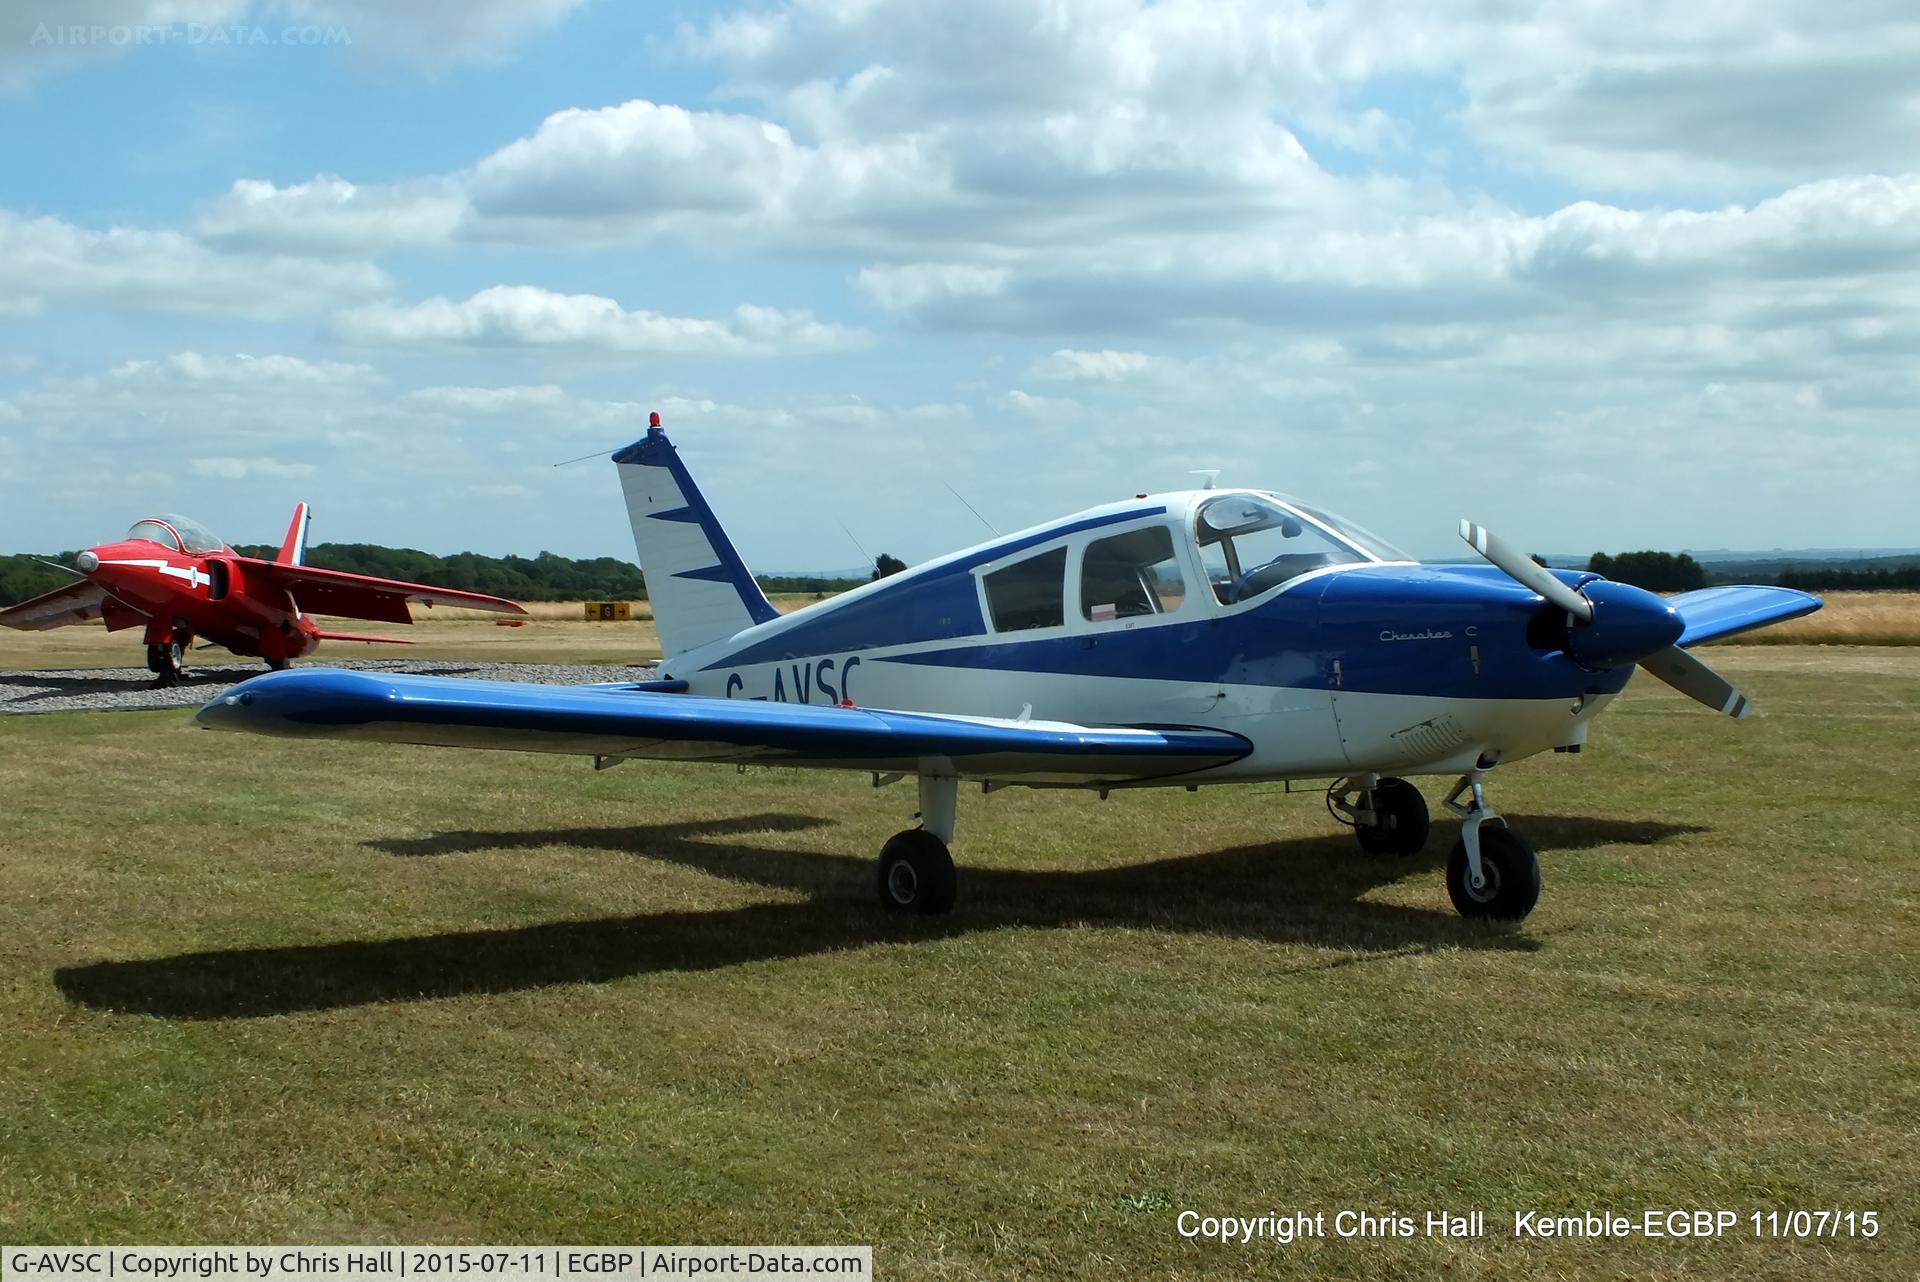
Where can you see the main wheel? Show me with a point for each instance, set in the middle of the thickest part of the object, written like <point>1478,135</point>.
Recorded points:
<point>1400,820</point>
<point>164,661</point>
<point>916,874</point>
<point>1510,869</point>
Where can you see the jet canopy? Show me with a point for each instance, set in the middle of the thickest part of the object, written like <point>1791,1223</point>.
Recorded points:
<point>179,533</point>
<point>1252,543</point>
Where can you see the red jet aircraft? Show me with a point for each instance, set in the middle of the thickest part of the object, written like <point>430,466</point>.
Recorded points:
<point>171,576</point>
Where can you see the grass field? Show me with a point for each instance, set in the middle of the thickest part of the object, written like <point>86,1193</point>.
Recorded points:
<point>264,991</point>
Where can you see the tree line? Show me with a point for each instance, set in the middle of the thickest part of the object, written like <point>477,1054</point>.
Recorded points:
<point>546,577</point>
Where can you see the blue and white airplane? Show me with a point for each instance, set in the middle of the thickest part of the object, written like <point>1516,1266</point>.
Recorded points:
<point>1187,639</point>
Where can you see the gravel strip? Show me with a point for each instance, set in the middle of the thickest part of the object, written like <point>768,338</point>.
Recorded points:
<point>133,689</point>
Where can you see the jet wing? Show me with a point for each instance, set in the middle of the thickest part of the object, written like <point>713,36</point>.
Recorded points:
<point>1712,613</point>
<point>360,596</point>
<point>452,712</point>
<point>78,602</point>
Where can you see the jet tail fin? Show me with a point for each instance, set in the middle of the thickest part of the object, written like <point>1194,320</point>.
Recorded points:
<point>700,589</point>
<point>293,549</point>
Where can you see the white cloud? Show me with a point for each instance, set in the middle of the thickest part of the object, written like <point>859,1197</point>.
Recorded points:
<point>527,316</point>
<point>434,34</point>
<point>1069,366</point>
<point>43,37</point>
<point>332,216</point>
<point>241,368</point>
<point>45,258</point>
<point>240,469</point>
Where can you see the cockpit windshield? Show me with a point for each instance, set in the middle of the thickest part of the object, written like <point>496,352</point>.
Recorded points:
<point>181,533</point>
<point>1253,543</point>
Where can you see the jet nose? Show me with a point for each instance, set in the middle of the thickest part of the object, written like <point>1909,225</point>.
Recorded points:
<point>87,562</point>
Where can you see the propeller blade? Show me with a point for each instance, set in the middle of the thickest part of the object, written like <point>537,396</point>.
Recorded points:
<point>1697,681</point>
<point>1525,571</point>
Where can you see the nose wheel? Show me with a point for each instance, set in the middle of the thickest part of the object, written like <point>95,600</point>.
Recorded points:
<point>1493,872</point>
<point>166,662</point>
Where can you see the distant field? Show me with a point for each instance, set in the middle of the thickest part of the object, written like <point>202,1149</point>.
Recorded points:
<point>1849,618</point>
<point>556,633</point>
<point>265,991</point>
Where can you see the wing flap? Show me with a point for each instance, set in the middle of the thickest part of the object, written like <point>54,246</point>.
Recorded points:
<point>78,602</point>
<point>1712,613</point>
<point>361,596</point>
<point>451,712</point>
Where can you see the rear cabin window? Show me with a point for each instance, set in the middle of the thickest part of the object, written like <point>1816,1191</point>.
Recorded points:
<point>1029,594</point>
<point>1130,575</point>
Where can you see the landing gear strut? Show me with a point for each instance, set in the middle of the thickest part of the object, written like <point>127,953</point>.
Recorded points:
<point>166,662</point>
<point>916,873</point>
<point>1492,872</point>
<point>1389,816</point>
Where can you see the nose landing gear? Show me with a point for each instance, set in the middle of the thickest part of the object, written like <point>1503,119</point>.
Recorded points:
<point>167,662</point>
<point>1492,872</point>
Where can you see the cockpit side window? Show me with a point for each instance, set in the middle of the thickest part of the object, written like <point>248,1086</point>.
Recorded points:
<point>1132,574</point>
<point>1251,544</point>
<point>1029,594</point>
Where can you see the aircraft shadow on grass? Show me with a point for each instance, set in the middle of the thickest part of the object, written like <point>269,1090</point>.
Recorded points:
<point>1302,890</point>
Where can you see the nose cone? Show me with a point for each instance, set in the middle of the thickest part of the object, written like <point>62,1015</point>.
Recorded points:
<point>87,562</point>
<point>1628,625</point>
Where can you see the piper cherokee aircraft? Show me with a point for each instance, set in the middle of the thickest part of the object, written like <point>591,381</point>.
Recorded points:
<point>173,578</point>
<point>1172,640</point>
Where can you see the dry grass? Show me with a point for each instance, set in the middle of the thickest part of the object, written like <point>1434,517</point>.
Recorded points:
<point>1849,618</point>
<point>338,992</point>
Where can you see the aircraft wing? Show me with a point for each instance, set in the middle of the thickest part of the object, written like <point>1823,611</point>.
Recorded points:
<point>1712,613</point>
<point>360,596</point>
<point>78,602</point>
<point>452,712</point>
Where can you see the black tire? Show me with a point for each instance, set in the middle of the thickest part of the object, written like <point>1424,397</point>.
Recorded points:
<point>917,874</point>
<point>279,665</point>
<point>164,662</point>
<point>1512,872</point>
<point>1402,820</point>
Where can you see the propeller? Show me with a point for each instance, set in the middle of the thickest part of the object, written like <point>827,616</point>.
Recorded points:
<point>1630,626</point>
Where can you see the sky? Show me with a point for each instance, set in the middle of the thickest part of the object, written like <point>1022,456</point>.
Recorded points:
<point>1596,275</point>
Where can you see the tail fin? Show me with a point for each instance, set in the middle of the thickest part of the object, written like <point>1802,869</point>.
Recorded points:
<point>700,589</point>
<point>293,551</point>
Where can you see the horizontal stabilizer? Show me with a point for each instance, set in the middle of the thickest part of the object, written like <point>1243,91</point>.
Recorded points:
<point>452,712</point>
<point>1713,613</point>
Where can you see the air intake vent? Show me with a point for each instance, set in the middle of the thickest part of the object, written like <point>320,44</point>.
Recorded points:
<point>1439,737</point>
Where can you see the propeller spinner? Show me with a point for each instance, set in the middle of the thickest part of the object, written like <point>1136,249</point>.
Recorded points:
<point>1611,624</point>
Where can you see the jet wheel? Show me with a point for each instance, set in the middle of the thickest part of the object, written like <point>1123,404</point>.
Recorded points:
<point>1510,869</point>
<point>916,874</point>
<point>164,661</point>
<point>279,665</point>
<point>1400,820</point>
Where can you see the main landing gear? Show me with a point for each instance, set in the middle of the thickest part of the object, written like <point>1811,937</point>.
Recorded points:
<point>1389,816</point>
<point>916,873</point>
<point>1491,872</point>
